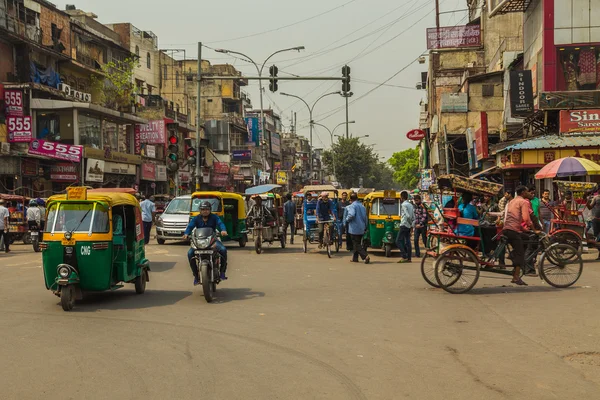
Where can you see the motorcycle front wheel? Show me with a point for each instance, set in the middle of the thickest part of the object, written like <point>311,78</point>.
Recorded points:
<point>207,286</point>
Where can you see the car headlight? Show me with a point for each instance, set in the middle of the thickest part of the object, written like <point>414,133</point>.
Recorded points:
<point>159,222</point>
<point>64,272</point>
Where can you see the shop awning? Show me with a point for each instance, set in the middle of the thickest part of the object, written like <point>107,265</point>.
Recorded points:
<point>548,142</point>
<point>46,104</point>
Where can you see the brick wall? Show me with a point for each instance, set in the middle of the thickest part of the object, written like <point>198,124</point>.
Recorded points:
<point>124,32</point>
<point>50,16</point>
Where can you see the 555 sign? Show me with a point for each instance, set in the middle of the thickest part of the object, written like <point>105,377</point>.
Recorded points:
<point>60,151</point>
<point>19,129</point>
<point>13,101</point>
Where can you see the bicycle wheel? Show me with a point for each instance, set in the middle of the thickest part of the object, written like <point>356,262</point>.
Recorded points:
<point>457,270</point>
<point>428,270</point>
<point>566,237</point>
<point>564,266</point>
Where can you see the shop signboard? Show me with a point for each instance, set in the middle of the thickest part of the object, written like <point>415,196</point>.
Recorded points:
<point>59,151</point>
<point>184,177</point>
<point>241,155</point>
<point>521,93</point>
<point>29,167</point>
<point>416,134</point>
<point>579,121</point>
<point>275,144</point>
<point>234,169</point>
<point>64,172</point>
<point>238,177</point>
<point>13,102</point>
<point>252,129</point>
<point>161,173</point>
<point>219,179</point>
<point>148,172</point>
<point>221,167</point>
<point>154,132</point>
<point>94,170</point>
<point>282,178</point>
<point>114,156</point>
<point>75,94</point>
<point>119,168</point>
<point>454,37</point>
<point>19,129</point>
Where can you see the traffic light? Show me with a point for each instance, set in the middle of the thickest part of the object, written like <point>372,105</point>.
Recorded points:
<point>173,155</point>
<point>273,70</point>
<point>190,151</point>
<point>346,82</point>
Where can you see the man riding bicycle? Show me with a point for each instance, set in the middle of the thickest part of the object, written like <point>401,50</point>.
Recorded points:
<point>324,214</point>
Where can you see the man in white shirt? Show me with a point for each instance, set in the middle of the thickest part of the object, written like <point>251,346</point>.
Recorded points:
<point>407,219</point>
<point>148,215</point>
<point>4,215</point>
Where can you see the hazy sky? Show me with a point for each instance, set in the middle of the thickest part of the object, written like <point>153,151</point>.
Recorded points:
<point>377,38</point>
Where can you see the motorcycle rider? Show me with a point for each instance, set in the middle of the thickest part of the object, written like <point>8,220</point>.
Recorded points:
<point>206,219</point>
<point>34,216</point>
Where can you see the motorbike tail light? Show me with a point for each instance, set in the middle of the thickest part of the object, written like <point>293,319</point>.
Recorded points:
<point>43,246</point>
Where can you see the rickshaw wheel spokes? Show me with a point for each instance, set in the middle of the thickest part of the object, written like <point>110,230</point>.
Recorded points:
<point>428,270</point>
<point>457,270</point>
<point>563,267</point>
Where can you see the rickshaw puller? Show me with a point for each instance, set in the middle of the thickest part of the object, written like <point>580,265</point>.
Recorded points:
<point>206,219</point>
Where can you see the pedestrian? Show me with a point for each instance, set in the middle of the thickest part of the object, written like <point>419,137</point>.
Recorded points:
<point>421,218</point>
<point>546,214</point>
<point>535,202</point>
<point>4,226</point>
<point>407,218</point>
<point>593,204</point>
<point>148,216</point>
<point>504,201</point>
<point>356,219</point>
<point>289,217</point>
<point>342,204</point>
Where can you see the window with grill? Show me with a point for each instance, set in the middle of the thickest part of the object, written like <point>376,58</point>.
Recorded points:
<point>487,91</point>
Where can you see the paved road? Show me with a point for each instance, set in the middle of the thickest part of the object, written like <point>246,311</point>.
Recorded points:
<point>289,325</point>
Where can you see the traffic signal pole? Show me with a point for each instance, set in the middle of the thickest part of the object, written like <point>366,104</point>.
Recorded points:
<point>198,116</point>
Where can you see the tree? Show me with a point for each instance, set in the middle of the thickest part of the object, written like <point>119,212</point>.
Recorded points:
<point>406,168</point>
<point>115,84</point>
<point>353,161</point>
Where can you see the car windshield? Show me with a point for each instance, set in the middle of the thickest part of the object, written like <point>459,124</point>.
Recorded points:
<point>77,217</point>
<point>381,208</point>
<point>178,206</point>
<point>215,202</point>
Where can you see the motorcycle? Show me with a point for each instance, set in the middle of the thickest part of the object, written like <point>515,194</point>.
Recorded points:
<point>208,260</point>
<point>35,233</point>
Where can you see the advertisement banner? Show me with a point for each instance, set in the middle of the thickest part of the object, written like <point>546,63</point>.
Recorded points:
<point>241,155</point>
<point>115,156</point>
<point>13,101</point>
<point>454,37</point>
<point>219,179</point>
<point>221,167</point>
<point>275,144</point>
<point>29,167</point>
<point>148,172</point>
<point>161,173</point>
<point>119,169</point>
<point>579,121</point>
<point>60,151</point>
<point>252,129</point>
<point>282,178</point>
<point>154,132</point>
<point>19,129</point>
<point>151,151</point>
<point>521,93</point>
<point>238,177</point>
<point>94,171</point>
<point>64,172</point>
<point>184,177</point>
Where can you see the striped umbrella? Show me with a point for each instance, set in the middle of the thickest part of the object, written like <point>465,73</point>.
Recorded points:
<point>568,166</point>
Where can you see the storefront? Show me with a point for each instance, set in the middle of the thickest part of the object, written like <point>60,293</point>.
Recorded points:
<point>111,169</point>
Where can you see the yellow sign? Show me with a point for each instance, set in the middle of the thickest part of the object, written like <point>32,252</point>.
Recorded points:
<point>282,178</point>
<point>77,193</point>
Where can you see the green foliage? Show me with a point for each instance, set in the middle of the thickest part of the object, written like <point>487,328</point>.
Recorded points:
<point>353,160</point>
<point>115,86</point>
<point>406,168</point>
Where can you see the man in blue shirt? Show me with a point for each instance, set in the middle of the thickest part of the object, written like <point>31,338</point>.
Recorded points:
<point>289,217</point>
<point>467,210</point>
<point>206,219</point>
<point>356,218</point>
<point>407,220</point>
<point>324,214</point>
<point>148,215</point>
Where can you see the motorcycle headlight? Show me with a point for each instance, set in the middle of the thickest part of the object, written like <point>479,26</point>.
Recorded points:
<point>389,235</point>
<point>64,272</point>
<point>204,243</point>
<point>68,235</point>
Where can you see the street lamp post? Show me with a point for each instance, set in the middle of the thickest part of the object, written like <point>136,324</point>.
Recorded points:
<point>260,70</point>
<point>310,112</point>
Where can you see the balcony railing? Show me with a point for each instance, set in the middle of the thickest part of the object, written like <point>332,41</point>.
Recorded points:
<point>23,30</point>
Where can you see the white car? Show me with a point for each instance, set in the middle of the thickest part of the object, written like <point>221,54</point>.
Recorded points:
<point>171,224</point>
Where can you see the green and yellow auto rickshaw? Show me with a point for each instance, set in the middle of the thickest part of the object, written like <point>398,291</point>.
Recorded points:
<point>93,241</point>
<point>230,207</point>
<point>383,212</point>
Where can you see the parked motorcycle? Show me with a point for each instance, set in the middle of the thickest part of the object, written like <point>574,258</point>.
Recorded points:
<point>208,260</point>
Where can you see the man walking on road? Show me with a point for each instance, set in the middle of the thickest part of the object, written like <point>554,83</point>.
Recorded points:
<point>407,218</point>
<point>356,218</point>
<point>421,217</point>
<point>289,217</point>
<point>148,215</point>
<point>4,215</point>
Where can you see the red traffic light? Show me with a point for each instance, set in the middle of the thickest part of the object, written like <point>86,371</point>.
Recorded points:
<point>191,152</point>
<point>173,139</point>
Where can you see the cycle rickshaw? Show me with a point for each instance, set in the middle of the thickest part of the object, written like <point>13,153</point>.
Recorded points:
<point>310,233</point>
<point>455,262</point>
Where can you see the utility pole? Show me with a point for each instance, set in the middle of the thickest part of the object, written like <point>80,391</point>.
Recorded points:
<point>447,154</point>
<point>198,116</point>
<point>437,14</point>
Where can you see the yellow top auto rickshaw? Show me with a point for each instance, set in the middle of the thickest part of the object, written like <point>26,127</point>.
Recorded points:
<point>230,207</point>
<point>383,212</point>
<point>93,241</point>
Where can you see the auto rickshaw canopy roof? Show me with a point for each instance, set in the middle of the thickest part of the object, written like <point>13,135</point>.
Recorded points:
<point>223,195</point>
<point>319,188</point>
<point>110,198</point>
<point>382,195</point>
<point>262,189</point>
